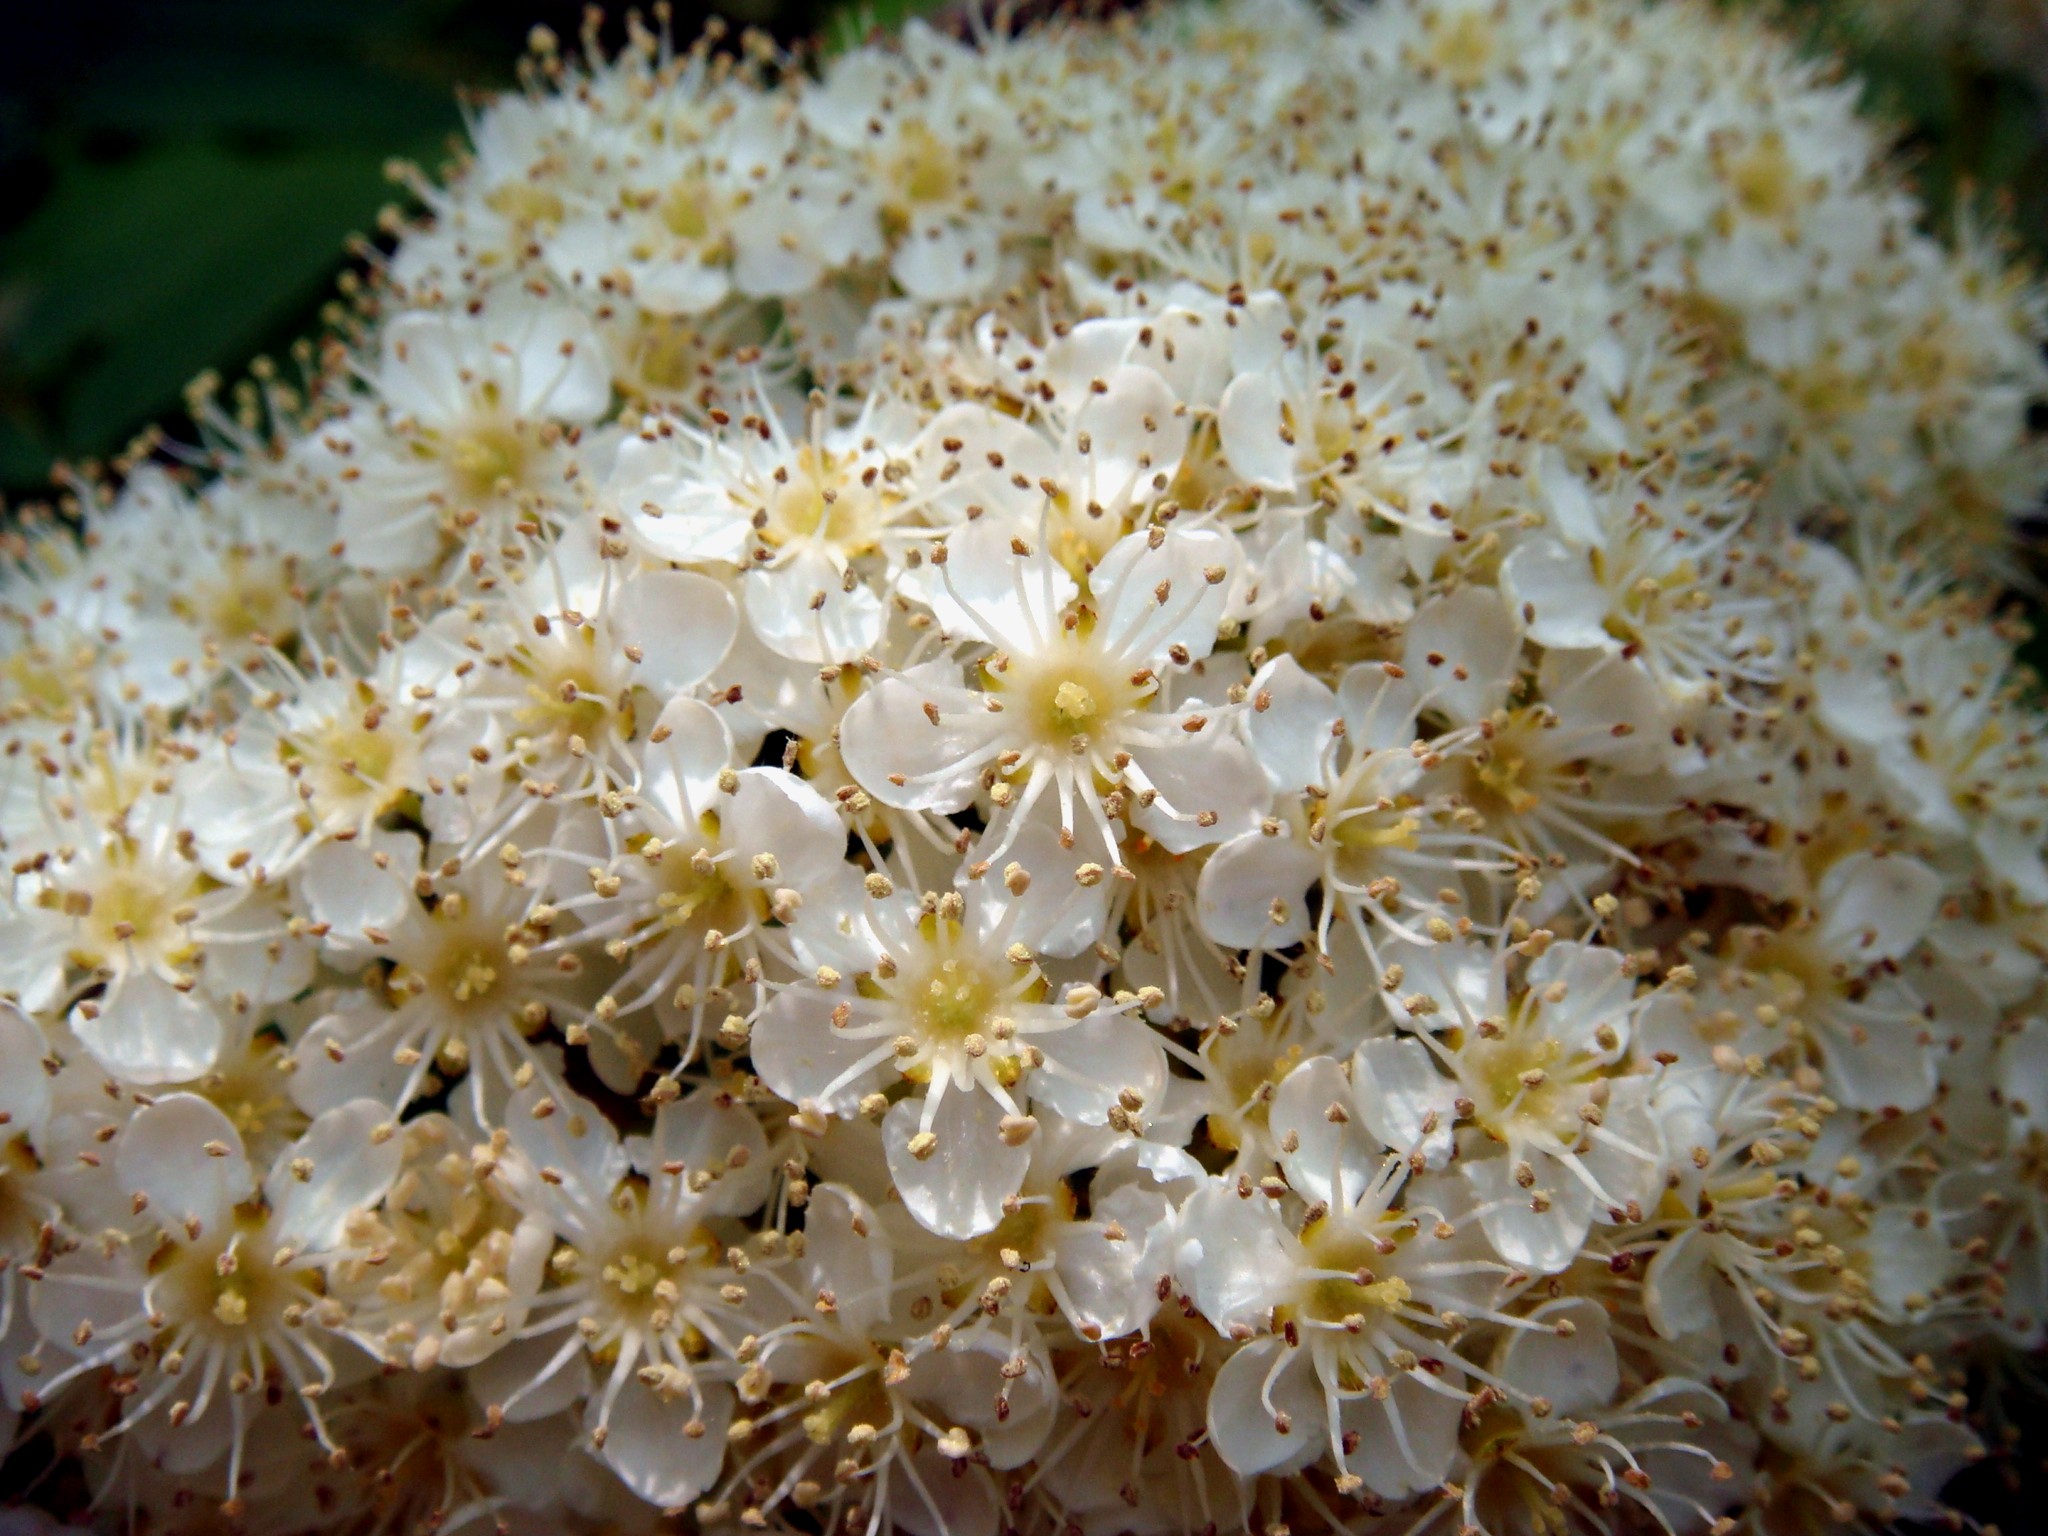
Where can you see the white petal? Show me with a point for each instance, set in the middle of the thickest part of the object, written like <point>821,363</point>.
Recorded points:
<point>346,1168</point>
<point>1462,652</point>
<point>1057,915</point>
<point>681,286</point>
<point>1579,1374</point>
<point>799,1053</point>
<point>2014,855</point>
<point>344,886</point>
<point>1090,1063</point>
<point>948,1498</point>
<point>1332,1161</point>
<point>164,1156</point>
<point>1909,1257</point>
<point>1245,1413</point>
<point>424,358</point>
<point>887,735</point>
<point>1397,1466</point>
<point>1253,892</point>
<point>960,1385</point>
<point>1379,708</point>
<point>494,1379</point>
<point>1137,436</point>
<point>2022,1073</point>
<point>682,623</point>
<point>986,591</point>
<point>245,954</point>
<point>942,262</point>
<point>957,1190</point>
<point>24,1085</point>
<point>1678,1289</point>
<point>709,1133</point>
<point>97,1284</point>
<point>1376,568</point>
<point>561,369</point>
<point>1113,1285</point>
<point>777,813</point>
<point>976,482</point>
<point>649,1444</point>
<point>1250,420</point>
<point>1290,724</point>
<point>1213,771</point>
<point>574,1142</point>
<point>1233,1261</point>
<point>1398,1089</point>
<point>1543,1242</point>
<point>365,1068</point>
<point>1596,992</point>
<point>767,264</point>
<point>1874,907</point>
<point>802,609</point>
<point>1125,586</point>
<point>1888,1069</point>
<point>673,514</point>
<point>1572,512</point>
<point>147,1031</point>
<point>679,771</point>
<point>847,1252</point>
<point>1551,587</point>
<point>1458,975</point>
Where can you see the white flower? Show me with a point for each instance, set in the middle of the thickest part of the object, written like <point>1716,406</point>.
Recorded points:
<point>474,415</point>
<point>1835,967</point>
<point>804,517</point>
<point>471,981</point>
<point>1354,1295</point>
<point>128,914</point>
<point>639,1277</point>
<point>232,1288</point>
<point>1541,1068</point>
<point>707,858</point>
<point>948,997</point>
<point>1074,697</point>
<point>897,1418</point>
<point>453,1268</point>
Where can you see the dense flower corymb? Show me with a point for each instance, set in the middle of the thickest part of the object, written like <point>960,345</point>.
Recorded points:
<point>1248,771</point>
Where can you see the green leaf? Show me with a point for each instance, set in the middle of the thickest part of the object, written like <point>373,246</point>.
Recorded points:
<point>135,276</point>
<point>846,25</point>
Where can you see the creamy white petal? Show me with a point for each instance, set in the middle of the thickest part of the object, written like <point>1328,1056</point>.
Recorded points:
<point>1400,1093</point>
<point>1331,1159</point>
<point>1250,420</point>
<point>185,1157</point>
<point>666,1450</point>
<point>1875,907</point>
<point>1253,891</point>
<point>144,1031</point>
<point>1266,1410</point>
<point>343,1164</point>
<point>681,622</point>
<point>958,1188</point>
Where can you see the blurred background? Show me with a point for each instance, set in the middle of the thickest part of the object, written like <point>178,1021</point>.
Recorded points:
<point>178,179</point>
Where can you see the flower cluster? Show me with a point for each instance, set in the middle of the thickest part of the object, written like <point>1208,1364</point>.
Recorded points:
<point>1228,772</point>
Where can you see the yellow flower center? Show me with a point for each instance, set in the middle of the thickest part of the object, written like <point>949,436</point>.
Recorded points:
<point>1463,50</point>
<point>1358,1292</point>
<point>488,457</point>
<point>1764,180</point>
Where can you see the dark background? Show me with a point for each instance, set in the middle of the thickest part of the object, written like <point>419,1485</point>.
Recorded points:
<point>178,179</point>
